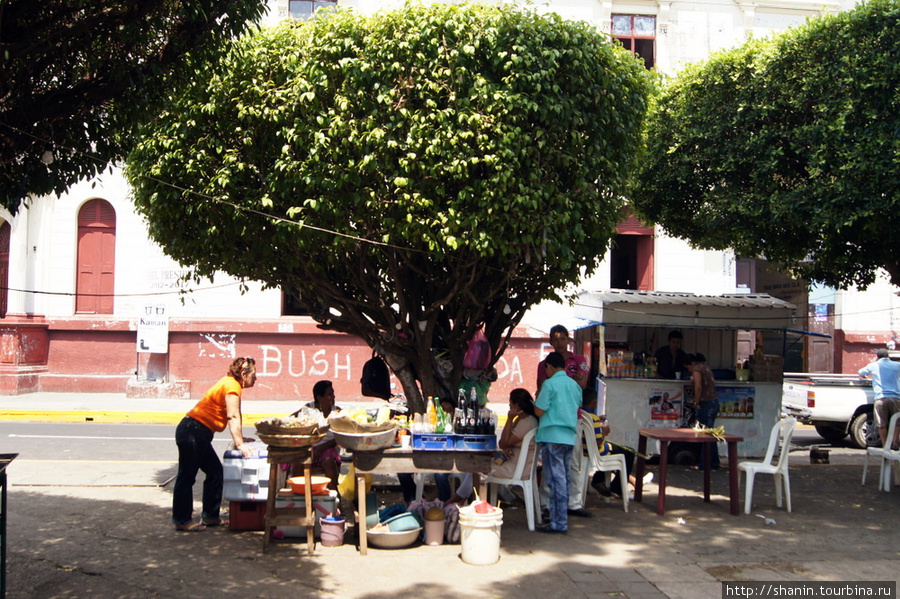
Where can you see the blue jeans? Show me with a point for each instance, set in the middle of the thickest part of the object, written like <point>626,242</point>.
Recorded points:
<point>196,453</point>
<point>706,415</point>
<point>556,458</point>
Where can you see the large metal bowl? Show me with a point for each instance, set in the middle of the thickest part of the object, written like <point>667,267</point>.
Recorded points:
<point>365,441</point>
<point>393,540</point>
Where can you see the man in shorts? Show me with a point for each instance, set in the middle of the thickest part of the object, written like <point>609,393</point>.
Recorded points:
<point>885,374</point>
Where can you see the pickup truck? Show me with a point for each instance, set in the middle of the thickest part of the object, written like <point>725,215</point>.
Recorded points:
<point>836,404</point>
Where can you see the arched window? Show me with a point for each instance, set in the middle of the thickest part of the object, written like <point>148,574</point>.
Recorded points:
<point>5,231</point>
<point>95,282</point>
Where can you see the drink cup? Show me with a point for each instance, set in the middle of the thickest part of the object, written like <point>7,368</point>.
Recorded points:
<point>405,441</point>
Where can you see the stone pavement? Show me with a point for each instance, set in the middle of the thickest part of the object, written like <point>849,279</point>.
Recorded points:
<point>69,536</point>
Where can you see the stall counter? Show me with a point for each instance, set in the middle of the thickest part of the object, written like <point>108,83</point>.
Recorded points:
<point>746,408</point>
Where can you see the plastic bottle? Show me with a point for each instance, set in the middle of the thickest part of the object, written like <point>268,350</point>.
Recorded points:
<point>440,425</point>
<point>431,415</point>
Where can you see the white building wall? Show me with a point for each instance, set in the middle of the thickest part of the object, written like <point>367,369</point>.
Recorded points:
<point>877,309</point>
<point>144,274</point>
<point>681,268</point>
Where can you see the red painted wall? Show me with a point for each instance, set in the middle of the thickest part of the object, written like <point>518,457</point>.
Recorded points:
<point>96,354</point>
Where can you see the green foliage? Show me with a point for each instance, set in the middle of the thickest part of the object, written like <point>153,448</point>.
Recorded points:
<point>77,74</point>
<point>787,148</point>
<point>470,158</point>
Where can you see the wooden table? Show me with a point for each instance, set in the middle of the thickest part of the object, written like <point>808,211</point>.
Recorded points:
<point>397,460</point>
<point>289,516</point>
<point>685,435</point>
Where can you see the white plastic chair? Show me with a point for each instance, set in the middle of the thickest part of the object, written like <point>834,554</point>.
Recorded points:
<point>520,478</point>
<point>886,454</point>
<point>783,430</point>
<point>608,464</point>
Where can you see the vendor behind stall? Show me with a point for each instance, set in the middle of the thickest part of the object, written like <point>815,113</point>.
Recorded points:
<point>326,454</point>
<point>671,359</point>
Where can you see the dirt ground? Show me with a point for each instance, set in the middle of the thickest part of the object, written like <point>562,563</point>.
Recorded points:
<point>86,540</point>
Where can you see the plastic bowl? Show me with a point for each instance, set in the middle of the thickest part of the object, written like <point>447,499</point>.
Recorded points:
<point>403,522</point>
<point>366,441</point>
<point>319,485</point>
<point>393,540</point>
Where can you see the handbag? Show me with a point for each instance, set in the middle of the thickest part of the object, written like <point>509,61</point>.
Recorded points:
<point>478,352</point>
<point>376,378</point>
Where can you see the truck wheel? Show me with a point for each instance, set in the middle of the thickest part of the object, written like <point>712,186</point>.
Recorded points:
<point>831,433</point>
<point>684,454</point>
<point>858,428</point>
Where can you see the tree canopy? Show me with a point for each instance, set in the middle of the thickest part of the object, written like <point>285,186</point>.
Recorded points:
<point>787,148</point>
<point>65,63</point>
<point>412,175</point>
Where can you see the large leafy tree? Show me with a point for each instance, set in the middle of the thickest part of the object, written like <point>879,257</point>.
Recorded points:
<point>75,73</point>
<point>787,148</point>
<point>412,175</point>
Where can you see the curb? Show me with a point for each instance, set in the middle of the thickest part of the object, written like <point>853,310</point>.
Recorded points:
<point>110,417</point>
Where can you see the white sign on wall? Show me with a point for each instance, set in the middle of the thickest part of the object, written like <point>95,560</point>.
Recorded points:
<point>153,330</point>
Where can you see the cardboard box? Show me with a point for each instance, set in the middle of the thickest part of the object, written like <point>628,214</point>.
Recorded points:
<point>246,479</point>
<point>323,505</point>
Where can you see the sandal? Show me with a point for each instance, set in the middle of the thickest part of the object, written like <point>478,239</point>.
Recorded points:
<point>190,527</point>
<point>217,522</point>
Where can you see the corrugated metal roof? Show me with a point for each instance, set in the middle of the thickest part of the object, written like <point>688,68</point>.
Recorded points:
<point>687,310</point>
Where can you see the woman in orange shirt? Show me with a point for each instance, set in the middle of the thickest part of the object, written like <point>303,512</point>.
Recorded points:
<point>219,408</point>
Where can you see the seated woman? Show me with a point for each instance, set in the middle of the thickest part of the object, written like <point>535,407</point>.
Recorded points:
<point>519,421</point>
<point>326,454</point>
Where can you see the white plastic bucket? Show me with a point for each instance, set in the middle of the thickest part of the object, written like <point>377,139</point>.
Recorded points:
<point>480,536</point>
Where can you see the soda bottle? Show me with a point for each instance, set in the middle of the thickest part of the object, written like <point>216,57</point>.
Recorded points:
<point>441,423</point>
<point>430,415</point>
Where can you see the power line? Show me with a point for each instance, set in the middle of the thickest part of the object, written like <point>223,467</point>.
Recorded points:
<point>149,294</point>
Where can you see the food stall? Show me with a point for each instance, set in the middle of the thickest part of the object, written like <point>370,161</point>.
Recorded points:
<point>634,324</point>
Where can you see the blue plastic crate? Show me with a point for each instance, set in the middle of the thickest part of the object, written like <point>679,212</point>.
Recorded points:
<point>433,442</point>
<point>475,442</point>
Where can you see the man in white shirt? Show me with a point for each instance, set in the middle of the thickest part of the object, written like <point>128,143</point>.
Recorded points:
<point>885,374</point>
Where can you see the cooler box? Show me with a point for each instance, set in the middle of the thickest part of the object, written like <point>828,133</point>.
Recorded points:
<point>323,505</point>
<point>246,479</point>
<point>247,515</point>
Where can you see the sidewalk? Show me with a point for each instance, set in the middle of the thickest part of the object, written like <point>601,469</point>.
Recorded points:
<point>72,537</point>
<point>116,408</point>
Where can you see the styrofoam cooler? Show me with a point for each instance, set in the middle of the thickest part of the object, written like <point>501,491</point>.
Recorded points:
<point>323,505</point>
<point>246,479</point>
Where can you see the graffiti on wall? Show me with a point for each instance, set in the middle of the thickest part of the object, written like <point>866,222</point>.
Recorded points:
<point>217,345</point>
<point>274,362</point>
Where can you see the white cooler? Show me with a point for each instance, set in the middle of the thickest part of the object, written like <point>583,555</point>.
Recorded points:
<point>247,479</point>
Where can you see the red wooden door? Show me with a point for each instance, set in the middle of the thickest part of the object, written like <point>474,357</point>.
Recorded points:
<point>95,283</point>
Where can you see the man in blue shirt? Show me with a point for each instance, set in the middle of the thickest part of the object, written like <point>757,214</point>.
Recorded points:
<point>557,407</point>
<point>885,375</point>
